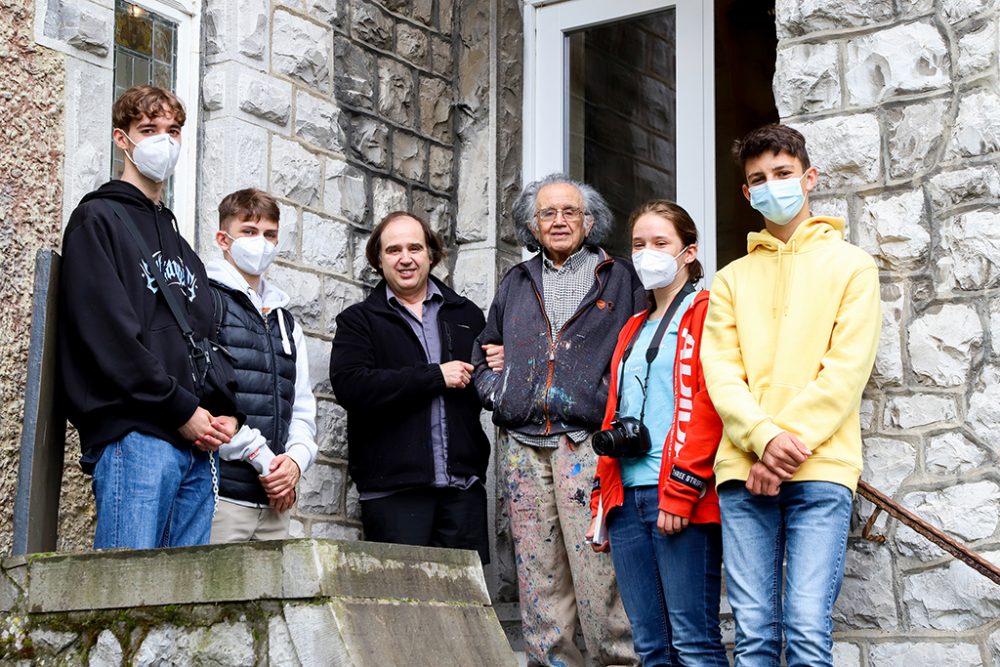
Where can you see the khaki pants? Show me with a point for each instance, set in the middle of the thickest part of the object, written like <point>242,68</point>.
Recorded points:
<point>238,523</point>
<point>559,576</point>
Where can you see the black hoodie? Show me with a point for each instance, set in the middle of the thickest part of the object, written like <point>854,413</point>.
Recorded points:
<point>123,361</point>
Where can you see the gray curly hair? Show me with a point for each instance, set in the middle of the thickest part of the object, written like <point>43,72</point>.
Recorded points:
<point>596,209</point>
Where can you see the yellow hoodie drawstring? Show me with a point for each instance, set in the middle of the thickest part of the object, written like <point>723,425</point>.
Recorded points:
<point>811,230</point>
<point>781,290</point>
<point>791,280</point>
<point>777,295</point>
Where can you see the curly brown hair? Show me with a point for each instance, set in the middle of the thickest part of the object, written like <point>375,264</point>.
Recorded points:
<point>148,101</point>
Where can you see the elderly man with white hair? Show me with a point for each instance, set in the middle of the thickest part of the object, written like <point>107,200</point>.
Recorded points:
<point>542,366</point>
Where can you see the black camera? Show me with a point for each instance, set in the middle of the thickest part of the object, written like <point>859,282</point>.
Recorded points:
<point>628,437</point>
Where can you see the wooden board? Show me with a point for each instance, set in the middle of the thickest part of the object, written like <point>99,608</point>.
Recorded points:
<point>43,436</point>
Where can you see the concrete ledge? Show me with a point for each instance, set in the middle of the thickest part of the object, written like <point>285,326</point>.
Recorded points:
<point>382,571</point>
<point>306,602</point>
<point>428,638</point>
<point>124,579</point>
<point>254,571</point>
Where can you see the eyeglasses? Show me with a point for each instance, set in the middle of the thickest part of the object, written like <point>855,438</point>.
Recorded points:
<point>571,214</point>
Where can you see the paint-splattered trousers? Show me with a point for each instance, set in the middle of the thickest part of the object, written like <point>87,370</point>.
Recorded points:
<point>559,576</point>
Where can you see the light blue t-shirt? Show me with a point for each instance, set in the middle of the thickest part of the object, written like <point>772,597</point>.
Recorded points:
<point>645,471</point>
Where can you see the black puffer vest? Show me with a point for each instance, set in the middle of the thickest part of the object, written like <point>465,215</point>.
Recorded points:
<point>265,379</point>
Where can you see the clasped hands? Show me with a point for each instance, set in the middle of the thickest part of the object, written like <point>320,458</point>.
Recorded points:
<point>458,374</point>
<point>207,433</point>
<point>782,458</point>
<point>280,483</point>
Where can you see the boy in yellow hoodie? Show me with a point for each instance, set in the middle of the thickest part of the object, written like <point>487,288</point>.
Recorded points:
<point>790,339</point>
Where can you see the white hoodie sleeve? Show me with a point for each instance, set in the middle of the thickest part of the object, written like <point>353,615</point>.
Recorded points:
<point>301,444</point>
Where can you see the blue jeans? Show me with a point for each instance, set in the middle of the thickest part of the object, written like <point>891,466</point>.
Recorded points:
<point>151,494</point>
<point>807,524</point>
<point>670,584</point>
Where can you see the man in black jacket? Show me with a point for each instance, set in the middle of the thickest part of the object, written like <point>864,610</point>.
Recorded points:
<point>400,367</point>
<point>127,382</point>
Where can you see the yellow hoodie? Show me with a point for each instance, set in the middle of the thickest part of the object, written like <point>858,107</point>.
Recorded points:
<point>790,339</point>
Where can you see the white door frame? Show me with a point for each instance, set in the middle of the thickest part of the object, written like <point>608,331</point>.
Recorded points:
<point>546,92</point>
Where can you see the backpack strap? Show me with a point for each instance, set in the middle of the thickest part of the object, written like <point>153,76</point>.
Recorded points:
<point>219,308</point>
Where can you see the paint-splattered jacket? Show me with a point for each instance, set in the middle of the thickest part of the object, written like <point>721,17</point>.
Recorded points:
<point>554,384</point>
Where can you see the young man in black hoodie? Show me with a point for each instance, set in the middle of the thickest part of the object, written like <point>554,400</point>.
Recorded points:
<point>147,438</point>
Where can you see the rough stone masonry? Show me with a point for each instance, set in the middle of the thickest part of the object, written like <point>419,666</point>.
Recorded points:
<point>900,107</point>
<point>343,110</point>
<point>299,602</point>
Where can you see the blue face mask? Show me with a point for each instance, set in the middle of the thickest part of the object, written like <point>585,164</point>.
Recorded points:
<point>780,200</point>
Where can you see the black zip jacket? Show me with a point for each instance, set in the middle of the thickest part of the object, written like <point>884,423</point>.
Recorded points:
<point>122,358</point>
<point>554,385</point>
<point>381,376</point>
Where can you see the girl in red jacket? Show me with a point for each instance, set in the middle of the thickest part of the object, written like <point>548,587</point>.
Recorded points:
<point>654,496</point>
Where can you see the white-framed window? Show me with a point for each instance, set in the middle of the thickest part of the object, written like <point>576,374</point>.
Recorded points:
<point>597,107</point>
<point>156,41</point>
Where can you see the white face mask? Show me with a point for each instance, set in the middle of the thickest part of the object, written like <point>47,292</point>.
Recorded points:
<point>252,254</point>
<point>655,268</point>
<point>155,157</point>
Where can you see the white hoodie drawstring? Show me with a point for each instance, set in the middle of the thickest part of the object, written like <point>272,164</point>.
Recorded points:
<point>286,346</point>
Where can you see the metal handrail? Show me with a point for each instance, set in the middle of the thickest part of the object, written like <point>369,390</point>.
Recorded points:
<point>884,503</point>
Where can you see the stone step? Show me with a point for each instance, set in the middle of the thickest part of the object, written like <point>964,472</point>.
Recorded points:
<point>296,602</point>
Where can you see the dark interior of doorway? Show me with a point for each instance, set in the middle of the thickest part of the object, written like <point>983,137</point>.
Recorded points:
<point>622,133</point>
<point>745,54</point>
<point>622,130</point>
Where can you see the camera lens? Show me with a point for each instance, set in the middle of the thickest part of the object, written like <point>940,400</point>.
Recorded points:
<point>606,443</point>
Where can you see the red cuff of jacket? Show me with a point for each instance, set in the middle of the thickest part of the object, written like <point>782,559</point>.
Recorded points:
<point>682,507</point>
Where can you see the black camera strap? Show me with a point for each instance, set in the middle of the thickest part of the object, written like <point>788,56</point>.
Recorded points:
<point>651,351</point>
<point>199,357</point>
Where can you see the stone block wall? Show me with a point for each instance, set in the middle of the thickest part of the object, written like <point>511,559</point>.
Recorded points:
<point>489,71</point>
<point>900,107</point>
<point>347,109</point>
<point>31,165</point>
<point>344,109</point>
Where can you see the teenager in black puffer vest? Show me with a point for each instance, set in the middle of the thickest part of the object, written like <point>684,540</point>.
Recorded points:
<point>264,357</point>
<point>263,463</point>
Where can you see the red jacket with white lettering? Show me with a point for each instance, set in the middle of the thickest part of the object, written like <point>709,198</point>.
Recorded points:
<point>687,481</point>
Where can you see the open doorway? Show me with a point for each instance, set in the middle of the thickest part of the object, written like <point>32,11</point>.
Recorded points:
<point>644,98</point>
<point>745,54</point>
<point>622,124</point>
